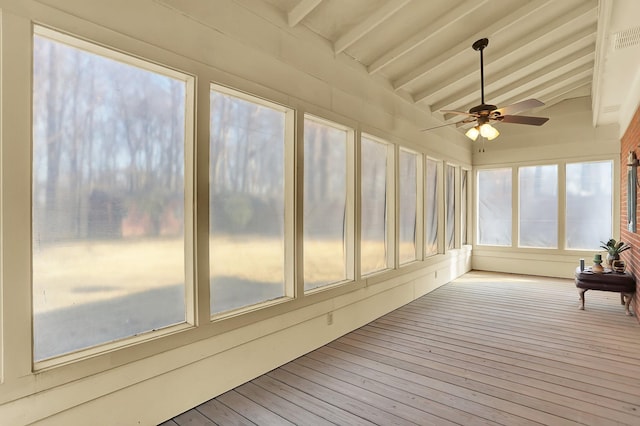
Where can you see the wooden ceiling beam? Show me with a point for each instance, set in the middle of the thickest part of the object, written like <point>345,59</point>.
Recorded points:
<point>559,95</point>
<point>561,48</point>
<point>553,86</point>
<point>578,74</point>
<point>557,78</point>
<point>546,71</point>
<point>585,15</point>
<point>443,22</point>
<point>301,10</point>
<point>501,25</point>
<point>369,24</point>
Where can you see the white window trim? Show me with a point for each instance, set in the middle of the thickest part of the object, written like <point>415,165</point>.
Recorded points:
<point>289,223</point>
<point>189,194</point>
<point>518,169</point>
<point>419,231</point>
<point>389,203</point>
<point>477,206</point>
<point>439,210</point>
<point>456,203</point>
<point>561,164</point>
<point>350,234</point>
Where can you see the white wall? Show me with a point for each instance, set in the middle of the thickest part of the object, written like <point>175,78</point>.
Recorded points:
<point>567,136</point>
<point>246,45</point>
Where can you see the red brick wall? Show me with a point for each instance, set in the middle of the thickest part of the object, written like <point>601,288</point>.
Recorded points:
<point>630,142</point>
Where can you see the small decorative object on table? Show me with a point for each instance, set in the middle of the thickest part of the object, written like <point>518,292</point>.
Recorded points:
<point>618,266</point>
<point>597,264</point>
<point>614,248</point>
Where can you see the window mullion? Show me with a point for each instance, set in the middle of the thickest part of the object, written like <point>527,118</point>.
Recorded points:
<point>15,229</point>
<point>420,237</point>
<point>515,208</point>
<point>390,206</point>
<point>562,205</point>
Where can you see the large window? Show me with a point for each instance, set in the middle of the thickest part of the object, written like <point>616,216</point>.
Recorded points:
<point>494,207</point>
<point>247,218</point>
<point>450,204</point>
<point>589,204</point>
<point>375,157</point>
<point>408,205</point>
<point>327,250</point>
<point>538,207</point>
<point>431,192</point>
<point>108,195</point>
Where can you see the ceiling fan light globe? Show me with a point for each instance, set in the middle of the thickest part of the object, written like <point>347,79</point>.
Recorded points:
<point>488,131</point>
<point>472,133</point>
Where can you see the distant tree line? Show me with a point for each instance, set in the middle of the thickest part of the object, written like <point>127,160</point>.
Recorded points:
<point>108,152</point>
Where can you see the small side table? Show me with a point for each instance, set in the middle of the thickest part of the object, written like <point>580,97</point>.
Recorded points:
<point>624,283</point>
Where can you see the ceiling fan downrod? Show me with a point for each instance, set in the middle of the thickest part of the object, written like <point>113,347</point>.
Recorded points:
<point>482,109</point>
<point>480,45</point>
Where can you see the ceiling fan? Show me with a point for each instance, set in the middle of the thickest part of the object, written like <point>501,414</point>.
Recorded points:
<point>485,114</point>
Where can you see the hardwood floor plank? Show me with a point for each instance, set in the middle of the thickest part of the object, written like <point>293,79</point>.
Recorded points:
<point>249,409</point>
<point>416,374</point>
<point>575,335</point>
<point>620,381</point>
<point>529,369</point>
<point>484,349</point>
<point>425,410</point>
<point>389,411</point>
<point>488,385</point>
<point>565,309</point>
<point>285,409</point>
<point>577,399</point>
<point>565,316</point>
<point>222,414</point>
<point>314,405</point>
<point>354,406</point>
<point>519,346</point>
<point>453,407</point>
<point>193,418</point>
<point>530,339</point>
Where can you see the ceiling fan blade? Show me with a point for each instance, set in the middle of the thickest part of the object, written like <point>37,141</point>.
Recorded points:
<point>447,111</point>
<point>468,120</point>
<point>519,107</point>
<point>523,119</point>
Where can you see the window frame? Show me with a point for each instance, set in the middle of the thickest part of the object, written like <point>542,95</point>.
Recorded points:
<point>615,184</point>
<point>439,208</point>
<point>349,234</point>
<point>518,207</point>
<point>561,167</point>
<point>419,218</point>
<point>389,204</point>
<point>288,207</point>
<point>456,213</point>
<point>190,296</point>
<point>466,212</point>
<point>477,241</point>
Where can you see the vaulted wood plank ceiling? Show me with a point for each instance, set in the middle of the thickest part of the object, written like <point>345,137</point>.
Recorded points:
<point>544,49</point>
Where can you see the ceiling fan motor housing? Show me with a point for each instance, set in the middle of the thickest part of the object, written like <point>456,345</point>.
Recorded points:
<point>483,109</point>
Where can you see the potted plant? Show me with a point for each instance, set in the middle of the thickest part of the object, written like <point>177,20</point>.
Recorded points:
<point>614,248</point>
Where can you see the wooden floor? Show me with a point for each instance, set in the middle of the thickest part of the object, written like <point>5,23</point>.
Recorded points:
<point>484,349</point>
